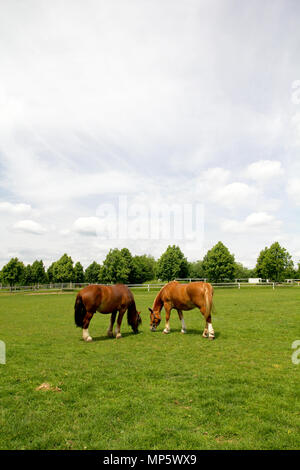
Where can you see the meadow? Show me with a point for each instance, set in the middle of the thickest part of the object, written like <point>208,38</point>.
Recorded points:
<point>150,390</point>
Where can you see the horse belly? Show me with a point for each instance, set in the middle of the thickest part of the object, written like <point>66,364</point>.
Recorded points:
<point>184,305</point>
<point>106,308</point>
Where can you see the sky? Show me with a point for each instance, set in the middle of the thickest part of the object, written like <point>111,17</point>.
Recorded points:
<point>148,103</point>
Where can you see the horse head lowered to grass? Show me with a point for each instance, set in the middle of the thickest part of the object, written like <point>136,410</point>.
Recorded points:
<point>183,297</point>
<point>106,299</point>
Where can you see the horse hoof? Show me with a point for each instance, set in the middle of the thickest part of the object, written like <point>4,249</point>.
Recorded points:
<point>165,332</point>
<point>119,336</point>
<point>211,337</point>
<point>183,331</point>
<point>88,339</point>
<point>110,334</point>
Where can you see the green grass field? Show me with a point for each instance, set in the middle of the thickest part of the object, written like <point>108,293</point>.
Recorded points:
<point>152,391</point>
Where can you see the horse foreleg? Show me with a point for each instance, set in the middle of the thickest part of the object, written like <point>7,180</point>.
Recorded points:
<point>168,313</point>
<point>119,322</point>
<point>85,330</point>
<point>183,328</point>
<point>111,325</point>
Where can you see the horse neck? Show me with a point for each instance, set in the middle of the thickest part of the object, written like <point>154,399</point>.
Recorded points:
<point>158,303</point>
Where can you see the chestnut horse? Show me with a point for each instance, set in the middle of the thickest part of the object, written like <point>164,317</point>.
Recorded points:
<point>183,297</point>
<point>106,299</point>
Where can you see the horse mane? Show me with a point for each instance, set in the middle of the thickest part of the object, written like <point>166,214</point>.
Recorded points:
<point>157,301</point>
<point>131,312</point>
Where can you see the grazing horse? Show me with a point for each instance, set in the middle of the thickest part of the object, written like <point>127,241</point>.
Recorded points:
<point>106,299</point>
<point>183,297</point>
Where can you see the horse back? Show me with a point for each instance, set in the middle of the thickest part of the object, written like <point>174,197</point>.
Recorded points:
<point>187,296</point>
<point>201,293</point>
<point>106,299</point>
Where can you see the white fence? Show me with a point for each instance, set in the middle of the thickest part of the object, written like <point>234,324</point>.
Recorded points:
<point>70,286</point>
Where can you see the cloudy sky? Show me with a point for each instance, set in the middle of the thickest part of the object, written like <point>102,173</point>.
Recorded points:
<point>165,102</point>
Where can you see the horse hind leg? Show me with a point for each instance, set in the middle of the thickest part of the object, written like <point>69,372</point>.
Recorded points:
<point>111,325</point>
<point>211,332</point>
<point>208,330</point>
<point>183,328</point>
<point>205,331</point>
<point>85,329</point>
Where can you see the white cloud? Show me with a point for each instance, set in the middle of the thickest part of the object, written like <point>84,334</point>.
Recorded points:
<point>16,209</point>
<point>257,221</point>
<point>29,226</point>
<point>264,170</point>
<point>234,194</point>
<point>87,225</point>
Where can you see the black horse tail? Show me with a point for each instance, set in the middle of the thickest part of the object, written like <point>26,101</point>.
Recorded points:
<point>80,311</point>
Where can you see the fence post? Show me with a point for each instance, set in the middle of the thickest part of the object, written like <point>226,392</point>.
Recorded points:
<point>148,287</point>
<point>273,285</point>
<point>239,285</point>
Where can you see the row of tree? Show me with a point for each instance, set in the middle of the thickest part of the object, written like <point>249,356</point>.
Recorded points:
<point>273,263</point>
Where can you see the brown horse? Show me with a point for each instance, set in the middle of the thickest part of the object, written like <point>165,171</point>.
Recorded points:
<point>106,299</point>
<point>183,297</point>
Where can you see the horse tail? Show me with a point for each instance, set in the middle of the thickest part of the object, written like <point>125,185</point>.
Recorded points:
<point>209,305</point>
<point>80,311</point>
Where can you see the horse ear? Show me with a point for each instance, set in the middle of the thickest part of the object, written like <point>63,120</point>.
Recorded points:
<point>150,309</point>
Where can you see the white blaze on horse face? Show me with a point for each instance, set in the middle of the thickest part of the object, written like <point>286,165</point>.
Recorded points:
<point>85,335</point>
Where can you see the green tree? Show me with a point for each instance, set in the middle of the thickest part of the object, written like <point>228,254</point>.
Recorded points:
<point>51,273</point>
<point>12,272</point>
<point>38,272</point>
<point>78,272</point>
<point>117,266</point>
<point>172,264</point>
<point>143,269</point>
<point>92,273</point>
<point>27,276</point>
<point>219,264</point>
<point>241,272</point>
<point>63,270</point>
<point>276,263</point>
<point>196,269</point>
<point>259,268</point>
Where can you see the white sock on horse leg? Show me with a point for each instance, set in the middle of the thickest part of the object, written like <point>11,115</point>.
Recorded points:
<point>211,332</point>
<point>85,335</point>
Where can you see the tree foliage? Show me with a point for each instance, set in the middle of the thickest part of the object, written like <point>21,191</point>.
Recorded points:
<point>78,272</point>
<point>219,264</point>
<point>38,273</point>
<point>117,267</point>
<point>275,263</point>
<point>62,270</point>
<point>196,270</point>
<point>92,273</point>
<point>172,264</point>
<point>12,272</point>
<point>143,269</point>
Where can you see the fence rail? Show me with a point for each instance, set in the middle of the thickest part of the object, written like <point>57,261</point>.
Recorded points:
<point>71,286</point>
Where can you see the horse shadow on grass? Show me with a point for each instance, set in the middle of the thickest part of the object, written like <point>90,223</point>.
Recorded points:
<point>107,338</point>
<point>190,331</point>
